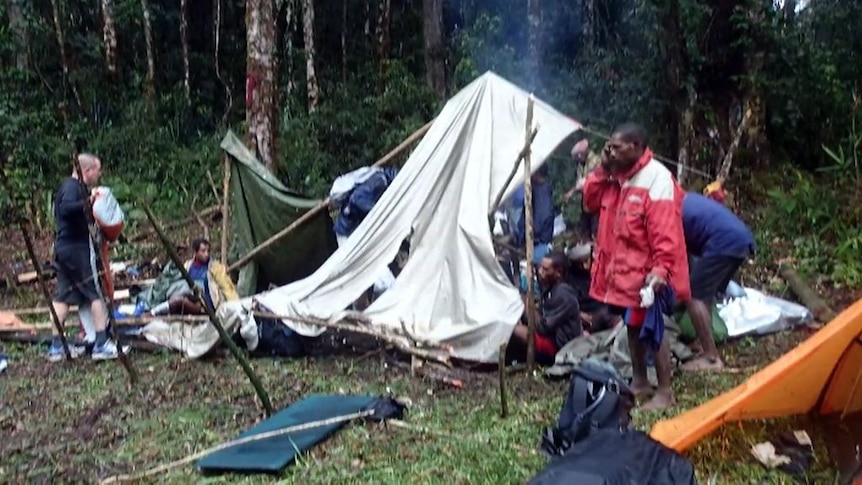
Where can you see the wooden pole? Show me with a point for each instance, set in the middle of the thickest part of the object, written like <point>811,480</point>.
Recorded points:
<point>225,210</point>
<point>499,198</point>
<point>107,297</point>
<point>226,339</point>
<point>501,369</point>
<point>325,203</point>
<point>58,326</point>
<point>528,224</point>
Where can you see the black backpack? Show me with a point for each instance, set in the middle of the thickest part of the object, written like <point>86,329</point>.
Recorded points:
<point>597,398</point>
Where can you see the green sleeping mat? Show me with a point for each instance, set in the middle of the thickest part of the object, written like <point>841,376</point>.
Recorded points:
<point>687,334</point>
<point>271,455</point>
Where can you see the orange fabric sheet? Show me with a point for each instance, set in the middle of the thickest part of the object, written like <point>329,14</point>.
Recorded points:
<point>822,374</point>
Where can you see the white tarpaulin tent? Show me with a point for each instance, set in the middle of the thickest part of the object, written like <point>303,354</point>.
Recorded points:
<point>452,290</point>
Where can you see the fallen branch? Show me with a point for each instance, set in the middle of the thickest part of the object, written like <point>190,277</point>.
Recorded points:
<point>241,441</point>
<point>432,374</point>
<point>119,295</point>
<point>819,308</point>
<point>397,341</point>
<point>226,339</point>
<point>323,205</point>
<point>124,322</point>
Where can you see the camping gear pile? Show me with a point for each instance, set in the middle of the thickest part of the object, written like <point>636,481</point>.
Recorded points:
<point>593,443</point>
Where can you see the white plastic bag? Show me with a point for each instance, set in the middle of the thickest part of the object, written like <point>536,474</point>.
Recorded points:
<point>108,213</point>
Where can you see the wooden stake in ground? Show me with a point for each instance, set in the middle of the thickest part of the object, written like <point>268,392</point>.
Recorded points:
<point>501,369</point>
<point>528,224</point>
<point>325,203</point>
<point>225,210</point>
<point>107,299</point>
<point>225,338</point>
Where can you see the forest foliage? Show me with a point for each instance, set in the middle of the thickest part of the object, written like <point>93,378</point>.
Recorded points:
<point>152,86</point>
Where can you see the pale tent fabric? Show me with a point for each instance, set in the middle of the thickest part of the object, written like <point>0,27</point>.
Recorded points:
<point>452,289</point>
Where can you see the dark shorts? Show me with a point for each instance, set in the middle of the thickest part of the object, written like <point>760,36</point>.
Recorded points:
<point>711,274</point>
<point>76,280</point>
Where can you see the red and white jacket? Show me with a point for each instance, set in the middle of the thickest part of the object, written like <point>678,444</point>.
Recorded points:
<point>640,232</point>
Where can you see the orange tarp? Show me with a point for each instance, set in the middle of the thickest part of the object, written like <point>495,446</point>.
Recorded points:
<point>821,375</point>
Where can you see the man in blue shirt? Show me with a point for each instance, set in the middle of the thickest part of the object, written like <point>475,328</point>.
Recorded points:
<point>721,242</point>
<point>543,215</point>
<point>360,201</point>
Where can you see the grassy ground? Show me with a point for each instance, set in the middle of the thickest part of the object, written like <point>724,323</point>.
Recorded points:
<point>82,423</point>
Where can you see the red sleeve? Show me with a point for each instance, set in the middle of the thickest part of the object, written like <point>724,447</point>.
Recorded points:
<point>664,229</point>
<point>594,187</point>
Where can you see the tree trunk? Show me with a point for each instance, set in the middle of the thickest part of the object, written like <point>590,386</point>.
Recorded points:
<point>589,25</point>
<point>18,25</point>
<point>675,81</point>
<point>383,46</point>
<point>435,47</point>
<point>64,58</point>
<point>217,41</point>
<point>344,40</point>
<point>289,48</point>
<point>184,39</point>
<point>261,91</point>
<point>754,103</point>
<point>534,57</point>
<point>151,56</point>
<point>310,74</point>
<point>109,35</point>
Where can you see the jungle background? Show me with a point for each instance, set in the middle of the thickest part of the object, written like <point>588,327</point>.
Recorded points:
<point>766,92</point>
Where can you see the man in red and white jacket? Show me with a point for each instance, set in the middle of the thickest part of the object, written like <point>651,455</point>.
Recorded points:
<point>640,242</point>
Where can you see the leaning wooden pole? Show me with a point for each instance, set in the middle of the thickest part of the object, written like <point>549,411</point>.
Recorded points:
<point>107,296</point>
<point>499,198</point>
<point>528,225</point>
<point>225,338</point>
<point>31,251</point>
<point>58,326</point>
<point>314,211</point>
<point>225,210</point>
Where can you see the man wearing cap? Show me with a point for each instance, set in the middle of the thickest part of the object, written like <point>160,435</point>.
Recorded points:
<point>543,215</point>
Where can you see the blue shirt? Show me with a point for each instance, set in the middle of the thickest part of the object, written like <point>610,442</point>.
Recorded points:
<point>199,276</point>
<point>361,200</point>
<point>711,229</point>
<point>543,215</point>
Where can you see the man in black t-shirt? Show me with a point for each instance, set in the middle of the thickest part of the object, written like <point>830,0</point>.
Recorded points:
<point>74,260</point>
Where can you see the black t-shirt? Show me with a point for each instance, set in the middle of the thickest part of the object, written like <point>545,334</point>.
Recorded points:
<point>69,214</point>
<point>561,315</point>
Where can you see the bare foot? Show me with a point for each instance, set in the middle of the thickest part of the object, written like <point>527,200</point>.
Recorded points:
<point>661,400</point>
<point>699,364</point>
<point>640,389</point>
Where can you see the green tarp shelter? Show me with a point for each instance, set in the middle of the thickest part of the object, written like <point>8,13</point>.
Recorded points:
<point>261,206</point>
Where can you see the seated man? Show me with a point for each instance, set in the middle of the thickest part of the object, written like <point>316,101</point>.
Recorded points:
<point>721,242</point>
<point>559,319</point>
<point>210,276</point>
<point>595,315</point>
